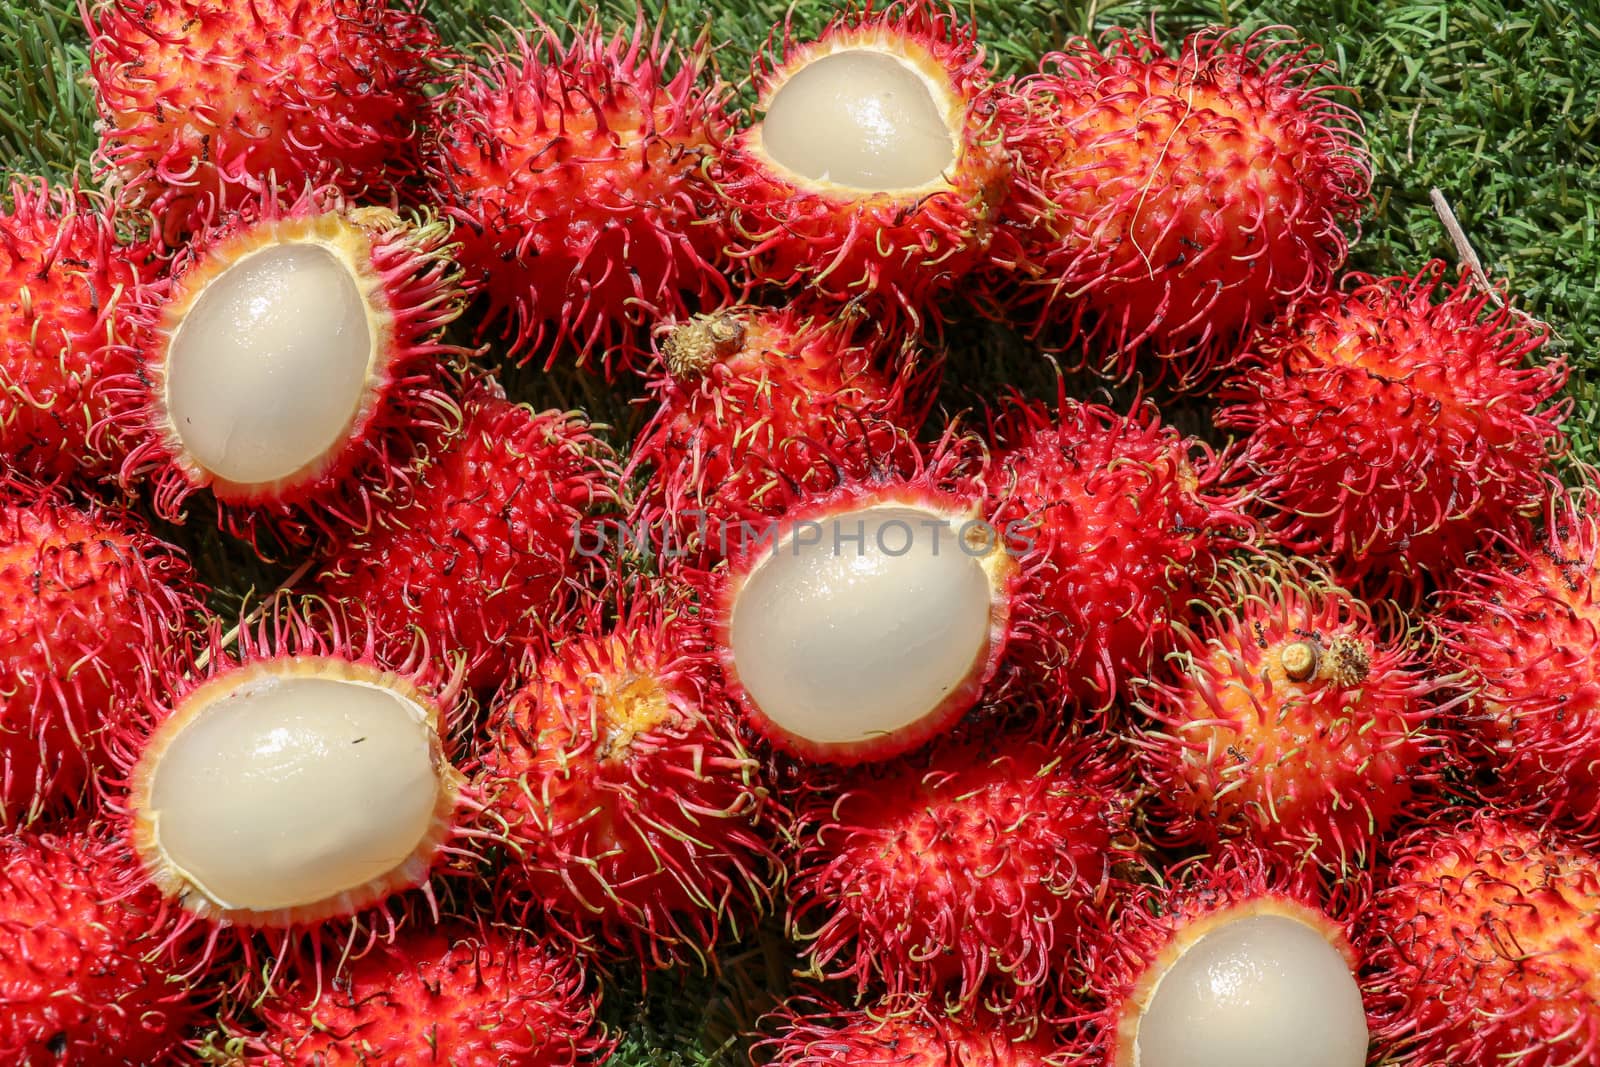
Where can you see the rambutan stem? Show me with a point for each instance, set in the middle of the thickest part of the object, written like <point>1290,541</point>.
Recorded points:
<point>254,615</point>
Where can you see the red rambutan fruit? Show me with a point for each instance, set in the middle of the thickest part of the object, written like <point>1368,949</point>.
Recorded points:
<point>65,287</point>
<point>1524,626</point>
<point>1122,520</point>
<point>971,872</point>
<point>290,362</point>
<point>1393,430</point>
<point>1232,962</point>
<point>292,780</point>
<point>634,816</point>
<point>81,974</point>
<point>876,168</point>
<point>573,171</point>
<point>751,399</point>
<point>202,102</point>
<point>87,596</point>
<point>814,1034</point>
<point>1171,203</point>
<point>1293,716</point>
<point>453,994</point>
<point>485,539</point>
<point>865,620</point>
<point>1484,948</point>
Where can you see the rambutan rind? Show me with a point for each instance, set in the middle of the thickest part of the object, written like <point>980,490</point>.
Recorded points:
<point>813,1033</point>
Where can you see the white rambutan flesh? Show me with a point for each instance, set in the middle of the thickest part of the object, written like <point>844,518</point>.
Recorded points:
<point>267,372</point>
<point>861,625</point>
<point>1253,990</point>
<point>293,788</point>
<point>861,119</point>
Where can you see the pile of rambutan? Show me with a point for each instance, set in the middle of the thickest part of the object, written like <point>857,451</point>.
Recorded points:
<point>486,531</point>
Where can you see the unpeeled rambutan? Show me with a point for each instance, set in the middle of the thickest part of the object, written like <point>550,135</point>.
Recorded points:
<point>65,289</point>
<point>1120,520</point>
<point>1524,625</point>
<point>1293,716</point>
<point>1394,430</point>
<point>452,994</point>
<point>971,873</point>
<point>1232,962</point>
<point>203,102</point>
<point>753,401</point>
<point>479,550</point>
<point>1482,948</point>
<point>814,1034</point>
<point>82,972</point>
<point>292,779</point>
<point>87,597</point>
<point>875,170</point>
<point>635,818</point>
<point>1172,203</point>
<point>573,172</point>
<point>864,620</point>
<point>290,362</point>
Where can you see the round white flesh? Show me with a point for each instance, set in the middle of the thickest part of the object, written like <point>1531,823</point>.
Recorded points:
<point>838,643</point>
<point>265,374</point>
<point>860,119</point>
<point>1261,991</point>
<point>291,791</point>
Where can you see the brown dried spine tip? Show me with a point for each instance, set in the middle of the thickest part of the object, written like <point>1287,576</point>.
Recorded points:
<point>693,347</point>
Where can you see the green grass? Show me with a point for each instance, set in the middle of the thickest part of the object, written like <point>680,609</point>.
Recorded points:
<point>1495,103</point>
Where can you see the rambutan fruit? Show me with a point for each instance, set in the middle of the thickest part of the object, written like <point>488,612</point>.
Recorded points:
<point>1524,626</point>
<point>485,540</point>
<point>971,872</point>
<point>1482,948</point>
<point>753,398</point>
<point>292,781</point>
<point>65,287</point>
<point>876,169</point>
<point>1233,962</point>
<point>290,361</point>
<point>81,974</point>
<point>452,994</point>
<point>865,620</point>
<point>1121,520</point>
<point>812,1034</point>
<point>87,596</point>
<point>1393,428</point>
<point>1294,716</point>
<point>633,815</point>
<point>573,172</point>
<point>203,102</point>
<point>1172,203</point>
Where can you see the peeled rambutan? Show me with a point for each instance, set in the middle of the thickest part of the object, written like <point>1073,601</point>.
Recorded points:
<point>87,596</point>
<point>876,168</point>
<point>573,172</point>
<point>82,977</point>
<point>291,361</point>
<point>1120,520</point>
<point>65,289</point>
<point>633,815</point>
<point>1393,430</point>
<point>291,780</point>
<point>1172,203</point>
<point>970,872</point>
<point>478,552</point>
<point>751,399</point>
<point>813,1034</point>
<point>865,620</point>
<point>204,102</point>
<point>1232,962</point>
<point>452,994</point>
<point>1482,948</point>
<point>1524,626</point>
<point>1294,716</point>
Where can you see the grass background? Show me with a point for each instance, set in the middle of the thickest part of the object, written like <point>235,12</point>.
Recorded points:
<point>1495,103</point>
